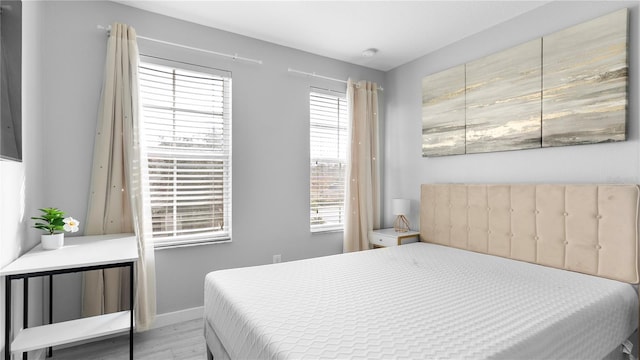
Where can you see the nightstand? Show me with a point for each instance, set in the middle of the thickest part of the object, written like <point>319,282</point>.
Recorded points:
<point>389,237</point>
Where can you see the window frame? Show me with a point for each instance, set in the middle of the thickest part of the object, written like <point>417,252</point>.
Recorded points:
<point>226,232</point>
<point>342,146</point>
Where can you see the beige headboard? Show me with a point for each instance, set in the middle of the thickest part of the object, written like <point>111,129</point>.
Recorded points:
<point>591,229</point>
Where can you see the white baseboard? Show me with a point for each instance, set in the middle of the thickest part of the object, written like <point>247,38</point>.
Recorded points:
<point>178,316</point>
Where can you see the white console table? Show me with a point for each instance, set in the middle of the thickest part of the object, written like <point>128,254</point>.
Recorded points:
<point>81,253</point>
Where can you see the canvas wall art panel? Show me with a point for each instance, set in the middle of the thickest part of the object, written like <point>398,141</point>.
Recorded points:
<point>443,112</point>
<point>503,100</point>
<point>584,97</point>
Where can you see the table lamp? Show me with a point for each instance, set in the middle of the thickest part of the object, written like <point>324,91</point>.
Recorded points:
<point>400,208</point>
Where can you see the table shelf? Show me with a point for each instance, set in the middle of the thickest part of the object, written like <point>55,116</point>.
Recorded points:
<point>70,331</point>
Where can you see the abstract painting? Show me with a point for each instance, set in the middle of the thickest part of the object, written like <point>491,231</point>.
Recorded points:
<point>567,88</point>
<point>503,100</point>
<point>585,82</point>
<point>443,113</point>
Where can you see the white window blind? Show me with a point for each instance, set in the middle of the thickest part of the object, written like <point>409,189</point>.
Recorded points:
<point>328,139</point>
<point>187,123</point>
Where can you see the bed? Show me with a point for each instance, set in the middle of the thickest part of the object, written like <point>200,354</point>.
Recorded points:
<point>502,271</point>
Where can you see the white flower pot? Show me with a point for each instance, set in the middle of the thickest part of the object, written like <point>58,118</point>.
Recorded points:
<point>52,242</point>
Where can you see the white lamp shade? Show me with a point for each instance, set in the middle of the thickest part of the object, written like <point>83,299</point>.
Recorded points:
<point>400,206</point>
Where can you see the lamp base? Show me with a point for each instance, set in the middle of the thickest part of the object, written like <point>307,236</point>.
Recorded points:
<point>401,224</point>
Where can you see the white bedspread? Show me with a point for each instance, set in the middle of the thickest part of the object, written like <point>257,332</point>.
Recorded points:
<point>417,301</point>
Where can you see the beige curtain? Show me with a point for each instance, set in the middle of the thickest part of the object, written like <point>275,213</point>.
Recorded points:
<point>362,180</point>
<point>116,199</point>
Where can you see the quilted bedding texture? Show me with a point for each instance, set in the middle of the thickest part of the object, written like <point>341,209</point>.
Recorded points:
<point>416,301</point>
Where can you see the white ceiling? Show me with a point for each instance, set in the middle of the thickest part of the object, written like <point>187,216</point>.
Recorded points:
<point>401,30</point>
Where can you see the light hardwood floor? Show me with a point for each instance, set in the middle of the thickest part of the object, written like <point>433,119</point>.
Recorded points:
<point>182,341</point>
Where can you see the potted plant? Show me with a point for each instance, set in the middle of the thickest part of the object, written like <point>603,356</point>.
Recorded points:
<point>53,222</point>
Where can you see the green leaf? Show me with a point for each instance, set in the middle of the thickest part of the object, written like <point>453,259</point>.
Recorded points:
<point>52,219</point>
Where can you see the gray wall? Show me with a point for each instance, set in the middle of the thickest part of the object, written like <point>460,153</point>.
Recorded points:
<point>270,140</point>
<point>406,169</point>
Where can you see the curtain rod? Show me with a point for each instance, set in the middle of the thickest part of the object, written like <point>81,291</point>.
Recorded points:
<point>231,56</point>
<point>313,74</point>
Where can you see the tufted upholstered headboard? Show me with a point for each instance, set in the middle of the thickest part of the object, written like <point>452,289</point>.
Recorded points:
<point>591,229</point>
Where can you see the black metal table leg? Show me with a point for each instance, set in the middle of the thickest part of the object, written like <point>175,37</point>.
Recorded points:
<point>7,318</point>
<point>25,310</point>
<point>131,296</point>
<point>50,351</point>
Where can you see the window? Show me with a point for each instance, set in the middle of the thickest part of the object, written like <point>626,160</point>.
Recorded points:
<point>328,139</point>
<point>187,124</point>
